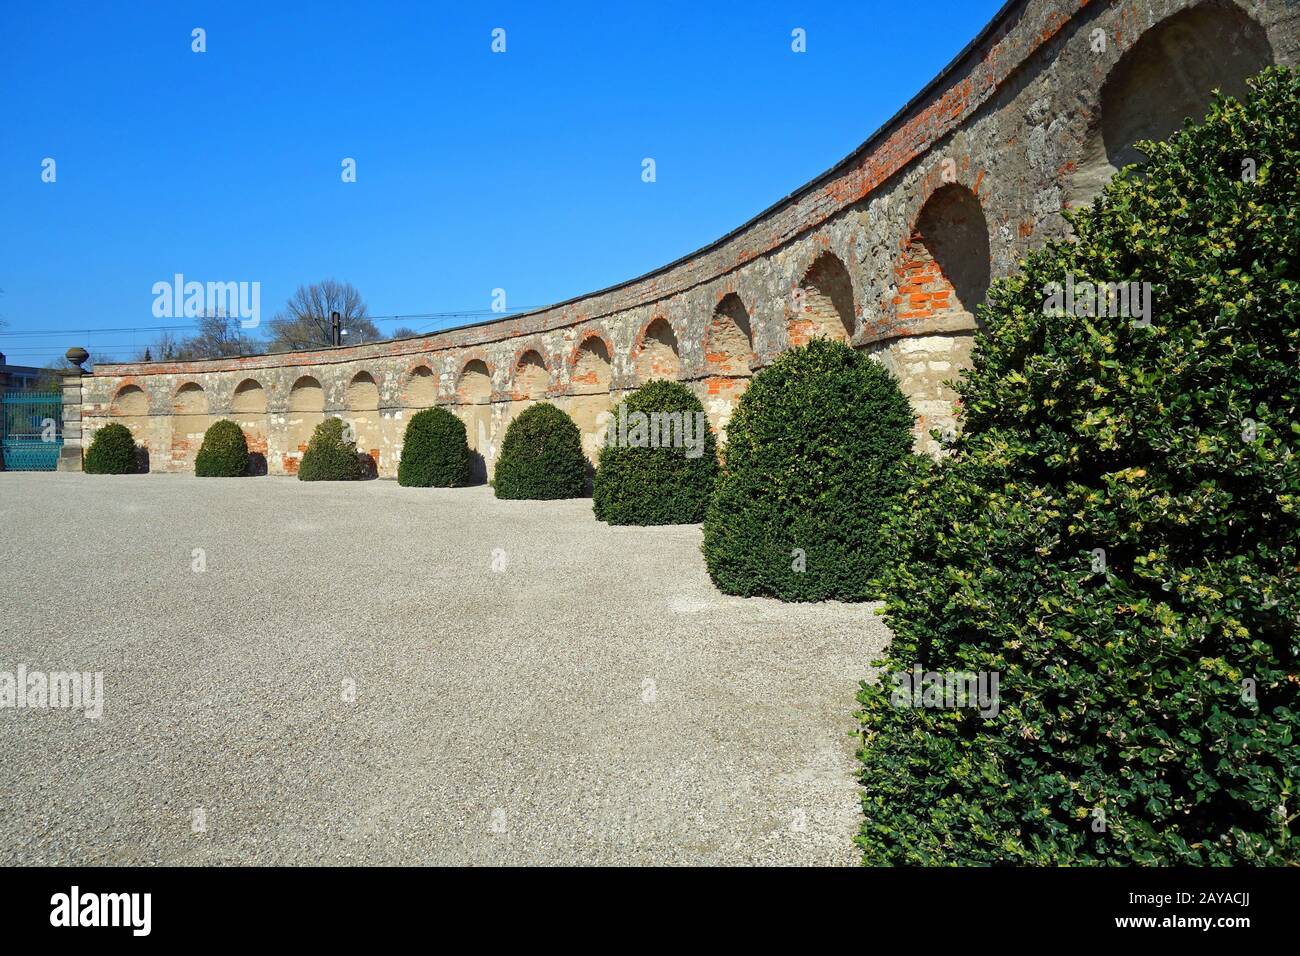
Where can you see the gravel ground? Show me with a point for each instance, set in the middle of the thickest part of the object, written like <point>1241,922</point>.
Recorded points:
<point>594,700</point>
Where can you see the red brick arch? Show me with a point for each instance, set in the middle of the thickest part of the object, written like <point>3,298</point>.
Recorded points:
<point>524,382</point>
<point>945,266</point>
<point>187,406</point>
<point>362,393</point>
<point>307,394</point>
<point>656,351</point>
<point>415,366</point>
<point>243,395</point>
<point>578,378</point>
<point>129,388</point>
<point>729,337</point>
<point>420,385</point>
<point>475,394</point>
<point>1166,74</point>
<point>824,303</point>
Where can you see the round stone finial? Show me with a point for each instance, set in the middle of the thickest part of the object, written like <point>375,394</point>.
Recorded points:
<point>77,355</point>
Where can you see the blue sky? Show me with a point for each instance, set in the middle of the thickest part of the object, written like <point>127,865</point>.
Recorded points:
<point>475,170</point>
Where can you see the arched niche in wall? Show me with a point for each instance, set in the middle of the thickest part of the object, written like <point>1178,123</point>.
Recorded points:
<point>658,355</point>
<point>421,389</point>
<point>189,422</point>
<point>592,371</point>
<point>362,393</point>
<point>729,340</point>
<point>824,303</point>
<point>131,401</point>
<point>1163,79</point>
<point>589,384</point>
<point>306,411</point>
<point>474,386</point>
<point>531,378</point>
<point>130,407</point>
<point>249,398</point>
<point>945,270</point>
<point>248,411</point>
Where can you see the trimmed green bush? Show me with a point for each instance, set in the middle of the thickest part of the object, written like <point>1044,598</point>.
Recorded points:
<point>224,453</point>
<point>659,460</point>
<point>330,456</point>
<point>541,456</point>
<point>816,451</point>
<point>111,452</point>
<point>435,453</point>
<point>1115,537</point>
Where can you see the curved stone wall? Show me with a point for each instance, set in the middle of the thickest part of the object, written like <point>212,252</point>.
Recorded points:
<point>890,250</point>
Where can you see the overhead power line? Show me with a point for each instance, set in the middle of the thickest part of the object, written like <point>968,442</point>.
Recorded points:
<point>192,326</point>
<point>152,328</point>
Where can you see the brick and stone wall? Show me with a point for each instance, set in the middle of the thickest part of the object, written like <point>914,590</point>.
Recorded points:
<point>890,250</point>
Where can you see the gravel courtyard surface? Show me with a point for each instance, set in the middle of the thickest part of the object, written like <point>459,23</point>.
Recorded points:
<point>595,700</point>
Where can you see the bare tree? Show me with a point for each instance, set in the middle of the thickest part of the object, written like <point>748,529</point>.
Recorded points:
<point>219,336</point>
<point>165,348</point>
<point>304,323</point>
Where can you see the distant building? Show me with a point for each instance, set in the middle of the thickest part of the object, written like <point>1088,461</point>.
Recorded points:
<point>17,377</point>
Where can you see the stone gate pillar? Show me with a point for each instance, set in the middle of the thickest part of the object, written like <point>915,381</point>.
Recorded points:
<point>70,453</point>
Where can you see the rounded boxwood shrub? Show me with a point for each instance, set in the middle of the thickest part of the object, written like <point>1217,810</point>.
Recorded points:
<point>112,452</point>
<point>330,456</point>
<point>435,453</point>
<point>541,456</point>
<point>816,450</point>
<point>224,453</point>
<point>1114,538</point>
<point>659,460</point>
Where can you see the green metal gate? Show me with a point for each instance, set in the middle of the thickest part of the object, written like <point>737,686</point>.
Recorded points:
<point>31,430</point>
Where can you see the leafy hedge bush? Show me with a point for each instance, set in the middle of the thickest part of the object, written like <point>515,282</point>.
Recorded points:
<point>330,456</point>
<point>815,451</point>
<point>660,477</point>
<point>112,452</point>
<point>541,456</point>
<point>1115,536</point>
<point>224,453</point>
<point>435,453</point>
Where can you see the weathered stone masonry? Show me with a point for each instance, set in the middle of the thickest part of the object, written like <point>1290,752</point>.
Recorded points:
<point>890,250</point>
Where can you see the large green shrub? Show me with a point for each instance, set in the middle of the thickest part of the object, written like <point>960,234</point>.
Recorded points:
<point>111,452</point>
<point>224,453</point>
<point>659,460</point>
<point>435,453</point>
<point>1115,536</point>
<point>815,452</point>
<point>541,456</point>
<point>331,455</point>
